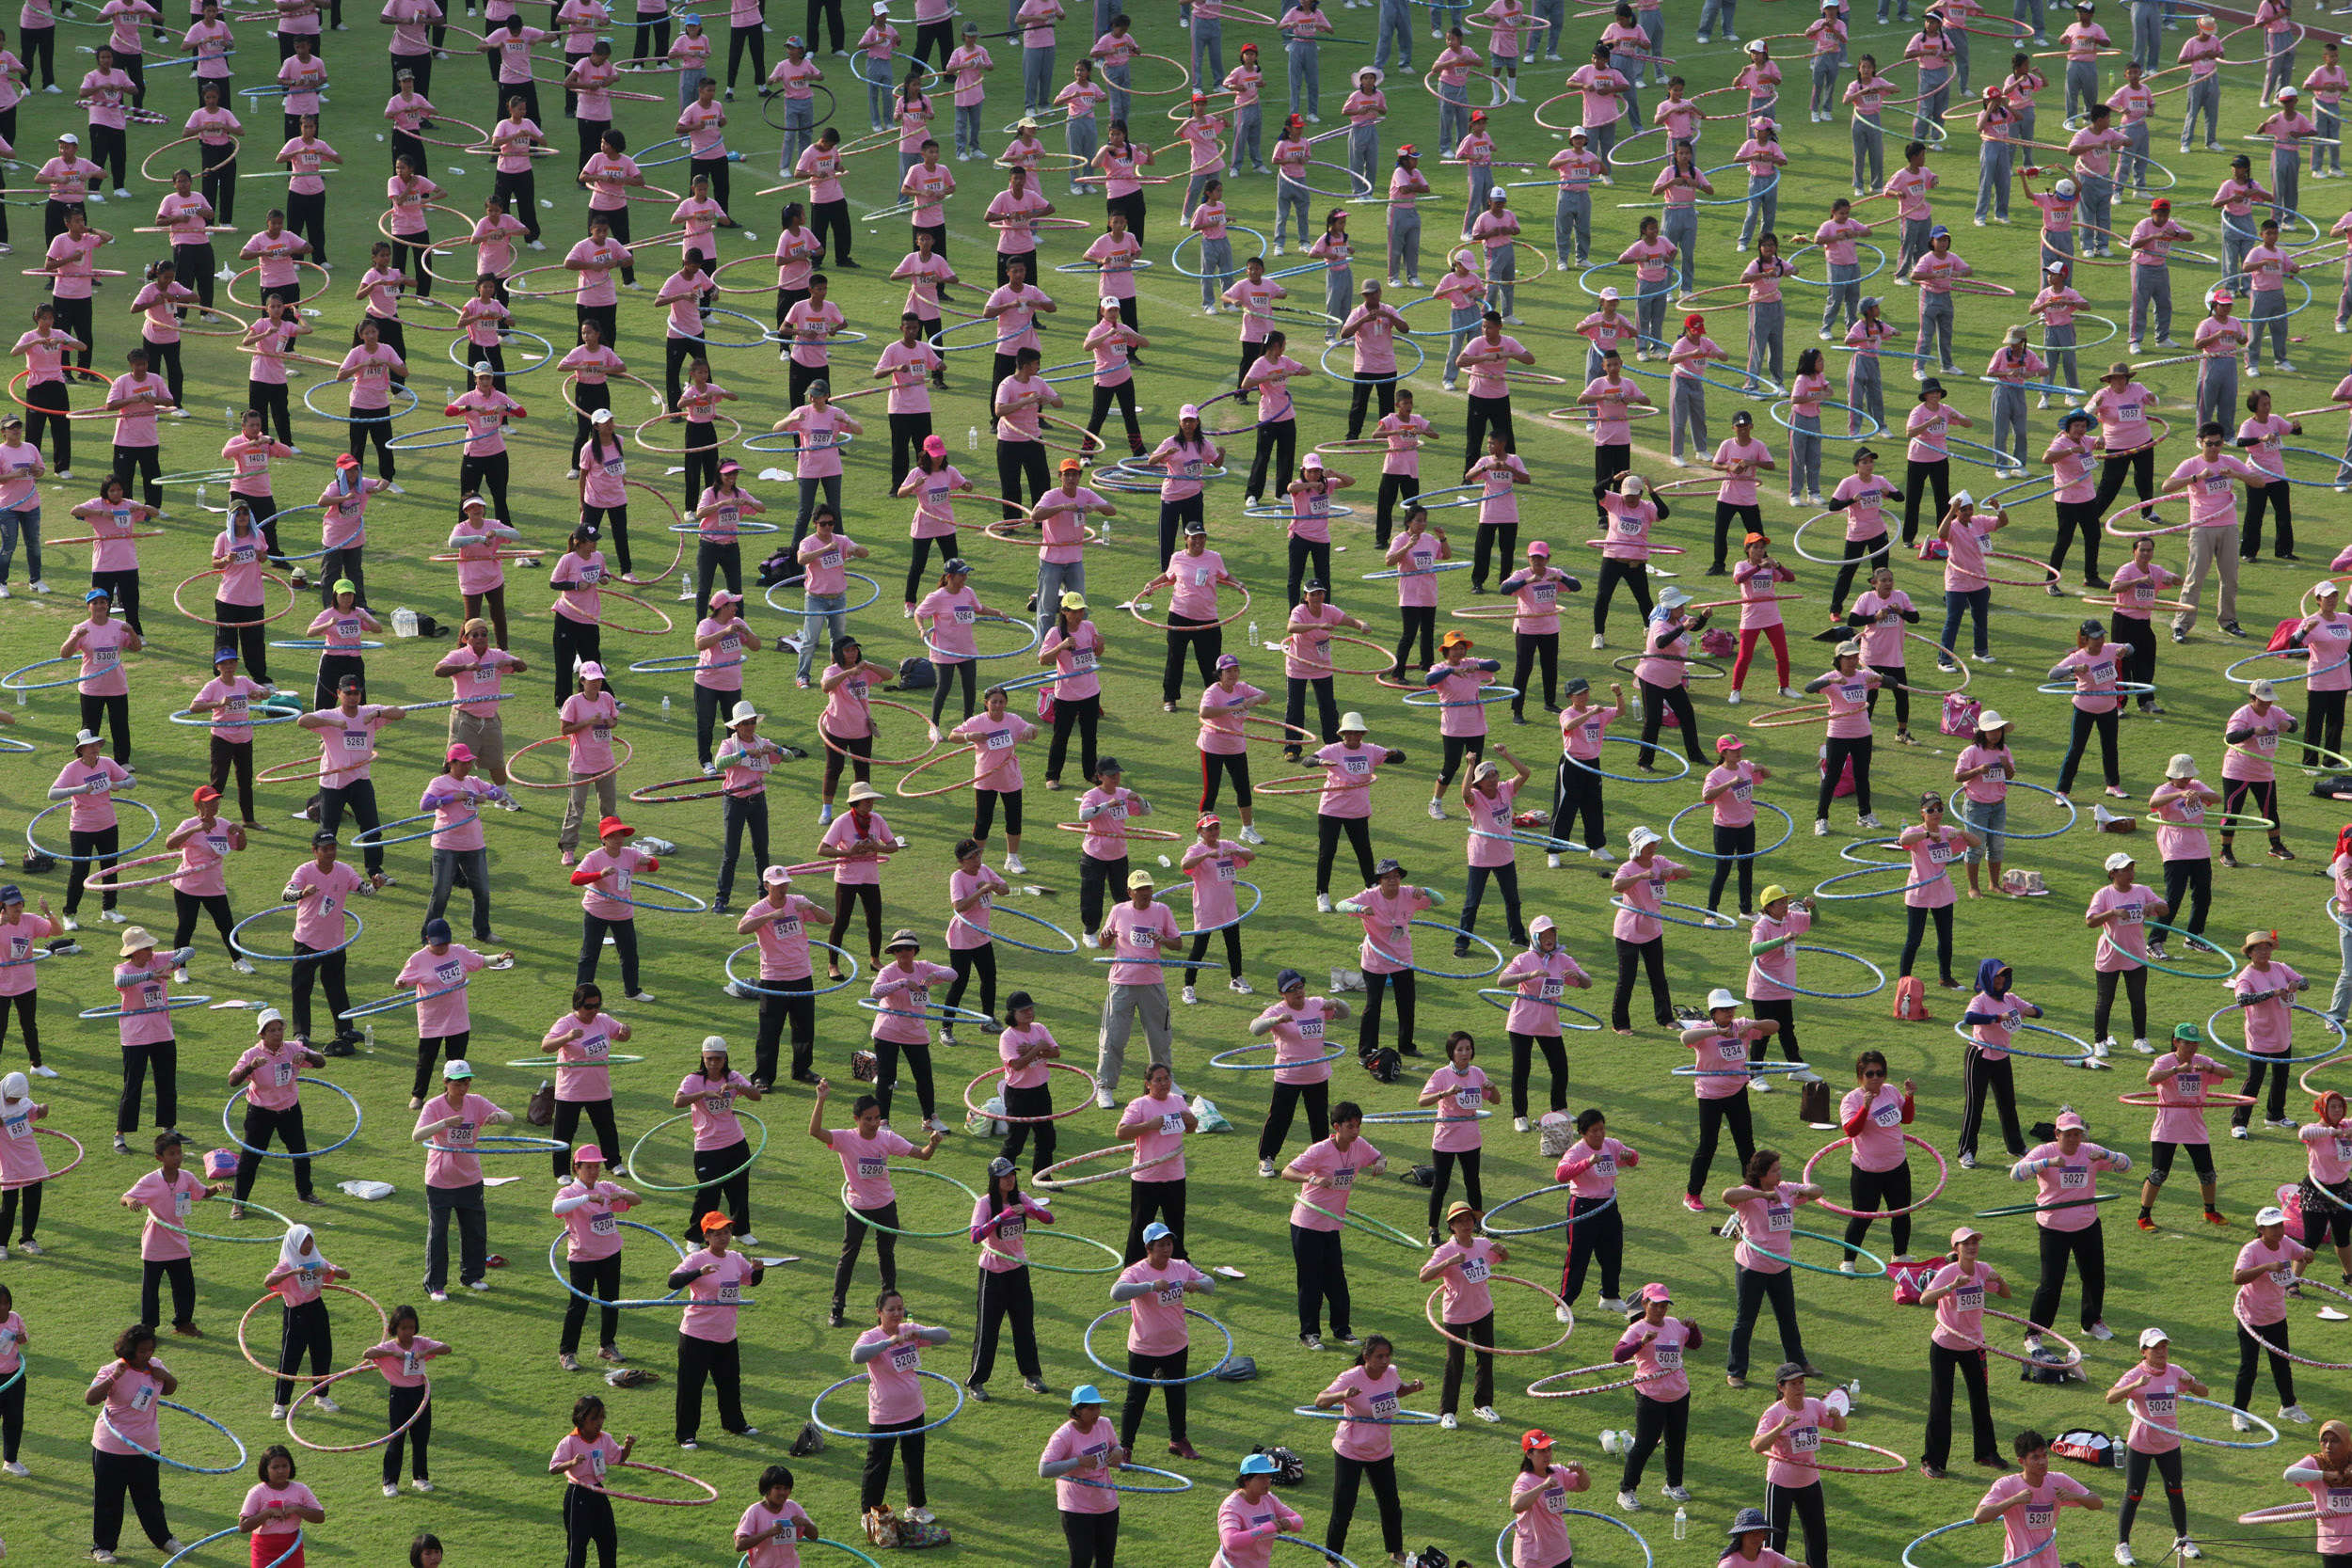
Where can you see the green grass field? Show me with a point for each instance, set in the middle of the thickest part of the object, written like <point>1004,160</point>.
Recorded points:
<point>502,1402</point>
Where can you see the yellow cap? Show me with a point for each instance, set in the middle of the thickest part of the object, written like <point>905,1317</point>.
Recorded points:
<point>1771,894</point>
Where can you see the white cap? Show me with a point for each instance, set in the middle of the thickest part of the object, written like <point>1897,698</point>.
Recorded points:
<point>1612,294</point>
<point>1962,497</point>
<point>2064,187</point>
<point>1641,836</point>
<point>268,1016</point>
<point>1354,721</point>
<point>2118,861</point>
<point>2264,690</point>
<point>2325,587</point>
<point>2055,266</point>
<point>2288,92</point>
<point>1758,46</point>
<point>1719,997</point>
<point>2271,1215</point>
<point>70,139</point>
<point>2151,1335</point>
<point>1109,302</point>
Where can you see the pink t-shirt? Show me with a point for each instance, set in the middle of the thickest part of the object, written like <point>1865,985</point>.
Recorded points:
<point>1789,1461</point>
<point>1539,980</point>
<point>2030,1515</point>
<point>2180,1110</point>
<point>592,1228</point>
<point>1959,1316</point>
<point>318,916</point>
<point>2269,1023</point>
<point>2262,744</point>
<point>1657,1352</point>
<point>713,1109</point>
<point>271,1084</point>
<point>165,1201</point>
<point>583,1073</point>
<point>1337,1170</point>
<point>1159,1124</point>
<point>126,1421</point>
<point>1490,813</point>
<point>2123,941</point>
<point>1769,974</point>
<point>2067,1177</point>
<point>449,1157</point>
<point>426,972</point>
<point>1539,1535</point>
<point>714,1298</point>
<point>892,1391</point>
<point>1932,851</point>
<point>1462,1276</point>
<point>1374,1399</point>
<point>1299,1041</point>
<point>866,1165</point>
<point>2263,1300</point>
<point>584,1463</point>
<point>2155,1402</point>
<point>1768,1221</point>
<point>1156,1321</point>
<point>1071,1494</point>
<point>1878,1143</point>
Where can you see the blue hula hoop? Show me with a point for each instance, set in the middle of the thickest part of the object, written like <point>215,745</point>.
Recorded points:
<point>1770,186</point>
<point>956,919</point>
<point>358,929</point>
<point>1421,358</point>
<point>2220,1442</point>
<point>2025,1556</point>
<point>670,1300</point>
<point>1281,509</point>
<point>2085,1055</point>
<point>1256,897</point>
<point>2214,1039</point>
<point>1673,281</point>
<point>934,649</point>
<point>2334,462</point>
<point>1672,755</point>
<point>758,990</point>
<point>758,337</point>
<point>935,1012</point>
<point>1789,830</point>
<point>317,644</point>
<point>398,1000</point>
<point>1649,1559</point>
<point>818,1421</point>
<point>181,1465</point>
<point>506,1143</point>
<point>11,746</point>
<point>1533,840</point>
<point>1086,1343</point>
<point>171,1005</point>
<point>2118,688</point>
<point>2231,675</point>
<point>546,353</point>
<point>2039,789</point>
<point>1825,283</point>
<point>2239,277</point>
<point>1993,457</point>
<point>1141,1470</point>
<point>10,683</point>
<point>1446,331</point>
<point>388,415</point>
<point>1501,997</point>
<point>1870,871</point>
<point>1876,427</point>
<point>413,440</point>
<point>803,612</point>
<point>1500,694</point>
<point>664,163</point>
<point>1221,1059</point>
<point>88,859</point>
<point>2047,489</point>
<point>939,338</point>
<point>2195,940</point>
<point>1878,975</point>
<point>369,838</point>
<point>1713,922</point>
<point>1402,1418</point>
<point>357,1117</point>
<point>1794,1262</point>
<point>1315,1546</point>
<point>1441,974</point>
<point>1753,1068</point>
<point>692,905</point>
<point>1473,494</point>
<point>278,1561</point>
<point>1488,1226</point>
<point>1175,253</point>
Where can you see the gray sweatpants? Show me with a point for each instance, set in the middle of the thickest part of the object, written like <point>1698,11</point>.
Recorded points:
<point>2269,315</point>
<point>1116,79</point>
<point>1864,392</point>
<point>1053,579</point>
<point>1804,456</point>
<point>2217,390</point>
<point>1405,244</point>
<point>2097,213</point>
<point>1217,270</point>
<point>1120,1008</point>
<point>1682,230</point>
<point>1459,325</point>
<point>2131,161</point>
<point>1764,320</point>
<point>2210,549</point>
<point>1686,415</point>
<point>2057,347</point>
<point>1763,210</point>
<point>1078,137</point>
<point>1306,77</point>
<point>1248,127</point>
<point>1363,157</point>
<point>1994,161</point>
<point>2286,182</point>
<point>1937,86</point>
<point>1716,11</point>
<point>2152,295</point>
<point>1844,295</point>
<point>1037,79</point>
<point>1291,199</point>
<point>2147,33</point>
<point>2082,86</point>
<point>1397,25</point>
<point>1869,148</point>
<point>1914,244</point>
<point>1502,273</point>
<point>1572,220</point>
<point>2202,98</point>
<point>2009,423</point>
<point>1935,329</point>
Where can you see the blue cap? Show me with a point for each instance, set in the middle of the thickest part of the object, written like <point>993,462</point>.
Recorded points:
<point>1939,232</point>
<point>1257,1464</point>
<point>437,930</point>
<point>1155,1231</point>
<point>95,594</point>
<point>1085,1393</point>
<point>11,893</point>
<point>1288,978</point>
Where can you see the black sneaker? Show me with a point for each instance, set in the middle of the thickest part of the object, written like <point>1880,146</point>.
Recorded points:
<point>834,1319</point>
<point>2233,628</point>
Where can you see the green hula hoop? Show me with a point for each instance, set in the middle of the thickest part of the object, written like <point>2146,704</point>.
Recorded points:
<point>1364,1223</point>
<point>2195,940</point>
<point>1118,1260</point>
<point>1818,1268</point>
<point>638,1179</point>
<point>912,1235</point>
<point>207,1236</point>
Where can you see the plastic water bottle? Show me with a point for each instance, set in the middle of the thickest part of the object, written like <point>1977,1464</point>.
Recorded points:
<point>1682,1521</point>
<point>665,702</point>
<point>367,1037</point>
<point>972,439</point>
<point>1853,1394</point>
<point>1253,634</point>
<point>403,622</point>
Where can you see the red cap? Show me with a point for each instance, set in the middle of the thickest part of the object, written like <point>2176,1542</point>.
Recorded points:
<point>613,825</point>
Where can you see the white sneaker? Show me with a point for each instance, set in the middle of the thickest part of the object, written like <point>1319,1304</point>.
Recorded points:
<point>2100,1331</point>
<point>2187,1548</point>
<point>421,1484</point>
<point>1732,699</point>
<point>2294,1412</point>
<point>2123,1554</point>
<point>2143,1048</point>
<point>1518,1124</point>
<point>44,1072</point>
<point>1250,834</point>
<point>1867,820</point>
<point>1241,987</point>
<point>1191,996</point>
<point>479,1286</point>
<point>1487,1413</point>
<point>1564,1313</point>
<point>2240,1423</point>
<point>2239,1132</point>
<point>1266,1168</point>
<point>40,585</point>
<point>1600,641</point>
<point>1764,1085</point>
<point>1323,903</point>
<point>2285,366</point>
<point>242,967</point>
<point>1012,864</point>
<point>1820,826</point>
<point>922,1515</point>
<point>1603,856</point>
<point>179,975</point>
<point>1448,1422</point>
<point>15,1468</point>
<point>113,917</point>
<point>277,1411</point>
<point>1846,1267</point>
<point>328,1405</point>
<point>391,1489</point>
<point>1437,810</point>
<point>1091,940</point>
<point>1102,1100</point>
<point>1628,1502</point>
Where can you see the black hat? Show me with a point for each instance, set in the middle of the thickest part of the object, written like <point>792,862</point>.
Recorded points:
<point>322,836</point>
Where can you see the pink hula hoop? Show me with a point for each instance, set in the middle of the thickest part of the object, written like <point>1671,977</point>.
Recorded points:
<point>1429,1310</point>
<point>295,1409</point>
<point>1537,1390</point>
<point>79,1155</point>
<point>2072,1348</point>
<point>1943,1174</point>
<point>1084,1104</point>
<point>104,879</point>
<point>660,1503</point>
<point>1900,1466</point>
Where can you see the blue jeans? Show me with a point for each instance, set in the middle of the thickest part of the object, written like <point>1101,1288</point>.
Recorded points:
<point>29,523</point>
<point>1989,821</point>
<point>827,610</point>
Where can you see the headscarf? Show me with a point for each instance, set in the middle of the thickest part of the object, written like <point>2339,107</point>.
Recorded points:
<point>1989,972</point>
<point>290,1255</point>
<point>15,1089</point>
